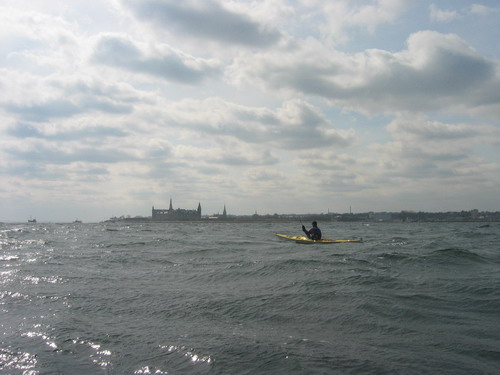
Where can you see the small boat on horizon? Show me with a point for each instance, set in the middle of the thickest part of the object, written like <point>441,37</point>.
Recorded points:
<point>30,220</point>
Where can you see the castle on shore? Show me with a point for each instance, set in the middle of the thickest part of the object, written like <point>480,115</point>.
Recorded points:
<point>162,214</point>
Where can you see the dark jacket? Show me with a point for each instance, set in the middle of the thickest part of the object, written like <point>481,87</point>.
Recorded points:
<point>314,233</point>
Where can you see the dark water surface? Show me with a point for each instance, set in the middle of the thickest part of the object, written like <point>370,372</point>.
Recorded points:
<point>225,298</point>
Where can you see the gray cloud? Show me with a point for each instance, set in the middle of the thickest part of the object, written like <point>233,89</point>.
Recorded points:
<point>205,20</point>
<point>55,108</point>
<point>63,108</point>
<point>161,170</point>
<point>303,126</point>
<point>60,97</point>
<point>425,149</point>
<point>34,170</point>
<point>243,159</point>
<point>436,71</point>
<point>428,131</point>
<point>23,130</point>
<point>294,126</point>
<point>52,155</point>
<point>122,53</point>
<point>327,162</point>
<point>413,162</point>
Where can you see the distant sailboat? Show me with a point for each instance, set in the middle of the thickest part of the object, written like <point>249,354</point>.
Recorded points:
<point>31,220</point>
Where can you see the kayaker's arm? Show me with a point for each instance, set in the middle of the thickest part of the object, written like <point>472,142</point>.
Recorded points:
<point>306,231</point>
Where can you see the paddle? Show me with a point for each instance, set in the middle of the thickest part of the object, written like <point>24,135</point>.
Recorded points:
<point>303,227</point>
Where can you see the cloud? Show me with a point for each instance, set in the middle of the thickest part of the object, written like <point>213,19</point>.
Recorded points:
<point>120,52</point>
<point>44,153</point>
<point>57,108</point>
<point>264,175</point>
<point>60,96</point>
<point>440,15</point>
<point>483,10</point>
<point>336,18</point>
<point>24,131</point>
<point>62,108</point>
<point>420,130</point>
<point>327,161</point>
<point>239,159</point>
<point>435,72</point>
<point>207,20</point>
<point>425,149</point>
<point>304,126</point>
<point>39,43</point>
<point>295,125</point>
<point>414,162</point>
<point>269,181</point>
<point>229,153</point>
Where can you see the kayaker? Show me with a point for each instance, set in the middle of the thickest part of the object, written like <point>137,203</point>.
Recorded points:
<point>314,233</point>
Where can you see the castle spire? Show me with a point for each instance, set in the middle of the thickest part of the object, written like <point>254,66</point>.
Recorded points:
<point>170,208</point>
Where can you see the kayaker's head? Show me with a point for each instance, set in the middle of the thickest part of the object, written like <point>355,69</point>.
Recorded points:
<point>314,224</point>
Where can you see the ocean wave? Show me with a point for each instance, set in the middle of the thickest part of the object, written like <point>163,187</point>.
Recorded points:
<point>182,299</point>
<point>456,255</point>
<point>7,258</point>
<point>396,256</point>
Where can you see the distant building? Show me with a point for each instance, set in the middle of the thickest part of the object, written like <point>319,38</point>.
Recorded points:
<point>380,216</point>
<point>162,214</point>
<point>219,215</point>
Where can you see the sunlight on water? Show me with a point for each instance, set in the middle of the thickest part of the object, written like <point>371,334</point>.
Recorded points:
<point>8,257</point>
<point>99,356</point>
<point>4,275</point>
<point>49,341</point>
<point>14,295</point>
<point>11,361</point>
<point>146,370</point>
<point>194,357</point>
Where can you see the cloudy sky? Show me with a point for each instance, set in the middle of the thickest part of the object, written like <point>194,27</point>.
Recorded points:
<point>274,106</point>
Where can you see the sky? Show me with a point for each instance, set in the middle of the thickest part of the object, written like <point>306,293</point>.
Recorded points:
<point>110,107</point>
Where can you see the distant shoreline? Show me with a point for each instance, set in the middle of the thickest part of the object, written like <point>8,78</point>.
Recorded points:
<point>475,216</point>
<point>296,220</point>
<point>246,221</point>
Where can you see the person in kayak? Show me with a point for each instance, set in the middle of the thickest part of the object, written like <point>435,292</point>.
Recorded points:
<point>314,233</point>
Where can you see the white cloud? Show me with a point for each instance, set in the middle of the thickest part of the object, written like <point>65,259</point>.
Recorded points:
<point>59,96</point>
<point>295,125</point>
<point>336,18</point>
<point>483,10</point>
<point>421,131</point>
<point>423,149</point>
<point>435,72</point>
<point>441,15</point>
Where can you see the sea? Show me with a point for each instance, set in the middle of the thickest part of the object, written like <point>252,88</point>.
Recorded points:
<point>232,298</point>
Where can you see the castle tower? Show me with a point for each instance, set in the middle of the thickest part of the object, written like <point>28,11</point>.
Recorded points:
<point>170,208</point>
<point>224,213</point>
<point>199,209</point>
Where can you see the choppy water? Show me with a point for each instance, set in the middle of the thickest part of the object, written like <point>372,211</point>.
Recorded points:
<point>222,298</point>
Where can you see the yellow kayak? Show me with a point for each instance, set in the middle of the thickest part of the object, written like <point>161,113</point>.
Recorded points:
<point>305,240</point>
